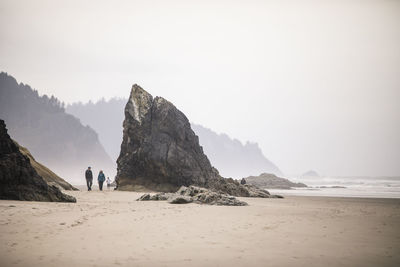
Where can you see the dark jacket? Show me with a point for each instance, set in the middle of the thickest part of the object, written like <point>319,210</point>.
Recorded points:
<point>89,175</point>
<point>101,177</point>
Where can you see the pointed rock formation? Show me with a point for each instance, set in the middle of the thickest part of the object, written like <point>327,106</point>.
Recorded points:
<point>18,179</point>
<point>160,151</point>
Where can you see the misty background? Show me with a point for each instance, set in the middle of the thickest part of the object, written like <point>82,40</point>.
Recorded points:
<point>315,83</point>
<point>55,138</point>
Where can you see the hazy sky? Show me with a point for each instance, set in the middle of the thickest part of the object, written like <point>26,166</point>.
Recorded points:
<point>315,83</point>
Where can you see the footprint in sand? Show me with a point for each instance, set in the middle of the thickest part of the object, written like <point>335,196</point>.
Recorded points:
<point>76,223</point>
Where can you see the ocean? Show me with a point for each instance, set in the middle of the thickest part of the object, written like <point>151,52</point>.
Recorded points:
<point>376,187</point>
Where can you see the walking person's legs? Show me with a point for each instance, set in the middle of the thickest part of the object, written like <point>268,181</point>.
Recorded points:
<point>101,186</point>
<point>88,185</point>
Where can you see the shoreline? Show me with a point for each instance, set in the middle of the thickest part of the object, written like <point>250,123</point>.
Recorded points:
<point>333,192</point>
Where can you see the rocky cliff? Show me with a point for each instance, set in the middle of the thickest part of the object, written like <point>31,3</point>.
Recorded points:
<point>160,151</point>
<point>271,181</point>
<point>231,157</point>
<point>18,179</point>
<point>106,118</point>
<point>49,176</point>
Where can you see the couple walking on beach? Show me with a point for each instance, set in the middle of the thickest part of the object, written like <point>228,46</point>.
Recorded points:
<point>100,179</point>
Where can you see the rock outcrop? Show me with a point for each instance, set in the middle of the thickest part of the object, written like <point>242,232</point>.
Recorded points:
<point>160,151</point>
<point>50,177</point>
<point>180,200</point>
<point>197,195</point>
<point>18,179</point>
<point>271,181</point>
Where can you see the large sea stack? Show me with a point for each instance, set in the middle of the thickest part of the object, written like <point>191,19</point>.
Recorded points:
<point>160,151</point>
<point>18,179</point>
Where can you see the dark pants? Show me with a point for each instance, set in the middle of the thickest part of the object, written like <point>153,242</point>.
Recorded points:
<point>101,185</point>
<point>89,183</point>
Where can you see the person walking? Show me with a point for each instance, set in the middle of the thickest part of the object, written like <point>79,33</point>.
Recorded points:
<point>101,178</point>
<point>108,181</point>
<point>89,178</point>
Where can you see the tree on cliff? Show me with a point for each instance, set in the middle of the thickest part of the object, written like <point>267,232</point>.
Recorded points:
<point>57,139</point>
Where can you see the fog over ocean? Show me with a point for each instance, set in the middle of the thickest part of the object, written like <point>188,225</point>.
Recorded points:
<point>376,187</point>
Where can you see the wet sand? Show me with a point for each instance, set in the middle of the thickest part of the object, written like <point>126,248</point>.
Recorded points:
<point>112,229</point>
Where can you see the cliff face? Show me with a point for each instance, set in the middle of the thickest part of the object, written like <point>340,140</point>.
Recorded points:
<point>50,177</point>
<point>57,139</point>
<point>160,151</point>
<point>18,179</point>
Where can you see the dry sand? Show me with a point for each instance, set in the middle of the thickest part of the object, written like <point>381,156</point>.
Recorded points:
<point>110,228</point>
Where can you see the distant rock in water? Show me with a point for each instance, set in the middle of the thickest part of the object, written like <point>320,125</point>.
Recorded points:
<point>18,179</point>
<point>310,173</point>
<point>231,157</point>
<point>160,151</point>
<point>57,139</point>
<point>50,177</point>
<point>271,181</point>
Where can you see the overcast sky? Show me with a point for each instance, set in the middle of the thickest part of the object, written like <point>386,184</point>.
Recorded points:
<point>315,83</point>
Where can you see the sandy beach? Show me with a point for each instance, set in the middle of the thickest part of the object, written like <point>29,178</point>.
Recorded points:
<point>110,228</point>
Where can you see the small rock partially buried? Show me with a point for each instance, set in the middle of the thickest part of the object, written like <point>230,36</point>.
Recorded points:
<point>180,199</point>
<point>158,196</point>
<point>161,196</point>
<point>144,197</point>
<point>197,195</point>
